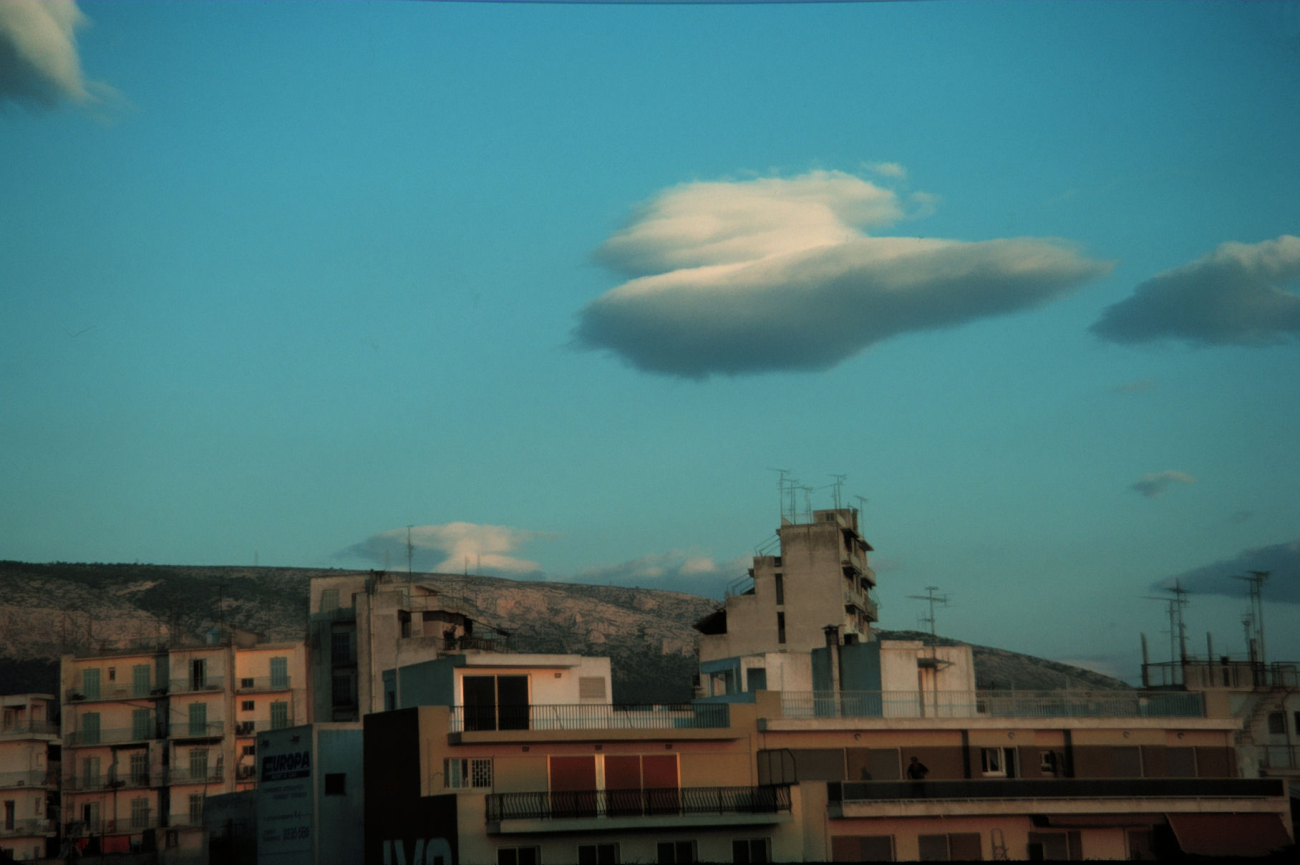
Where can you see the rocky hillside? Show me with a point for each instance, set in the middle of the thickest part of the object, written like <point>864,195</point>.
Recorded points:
<point>49,609</point>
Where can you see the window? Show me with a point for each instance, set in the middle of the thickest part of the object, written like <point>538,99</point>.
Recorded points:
<point>9,813</point>
<point>404,622</point>
<point>196,809</point>
<point>1047,763</point>
<point>1055,846</point>
<point>248,705</point>
<point>141,724</point>
<point>140,681</point>
<point>329,600</point>
<point>140,813</point>
<point>170,838</point>
<point>745,850</point>
<point>518,856</point>
<point>279,673</point>
<point>342,690</point>
<point>780,627</point>
<point>140,768</point>
<point>963,847</point>
<point>1276,724</point>
<point>247,683</point>
<point>757,679</point>
<point>336,784</point>
<point>591,688</point>
<point>675,853</point>
<point>779,582</point>
<point>89,773</point>
<point>462,774</point>
<point>90,728</point>
<point>279,715</point>
<point>198,764</point>
<point>250,751</point>
<point>341,647</point>
<point>998,762</point>
<point>598,854</point>
<point>495,702</point>
<point>90,684</point>
<point>112,674</point>
<point>198,719</point>
<point>198,674</point>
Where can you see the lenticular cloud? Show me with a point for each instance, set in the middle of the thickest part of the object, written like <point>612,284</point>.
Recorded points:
<point>745,277</point>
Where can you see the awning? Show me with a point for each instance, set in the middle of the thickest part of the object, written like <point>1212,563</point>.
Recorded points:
<point>1229,834</point>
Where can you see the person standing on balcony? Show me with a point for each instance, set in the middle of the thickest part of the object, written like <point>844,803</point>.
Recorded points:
<point>916,770</point>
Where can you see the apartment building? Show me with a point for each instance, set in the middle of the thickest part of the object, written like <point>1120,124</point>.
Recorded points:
<point>151,732</point>
<point>361,625</point>
<point>29,775</point>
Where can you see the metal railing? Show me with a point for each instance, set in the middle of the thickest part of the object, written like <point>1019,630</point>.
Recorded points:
<point>193,686</point>
<point>1279,757</point>
<point>1236,674</point>
<point>1059,788</point>
<point>263,683</point>
<point>183,820</point>
<point>592,716</point>
<point>666,801</point>
<point>109,781</point>
<point>30,728</point>
<point>48,778</point>
<point>190,730</point>
<point>482,644</point>
<point>30,826</point>
<point>87,738</point>
<point>182,775</point>
<point>127,691</point>
<point>991,704</point>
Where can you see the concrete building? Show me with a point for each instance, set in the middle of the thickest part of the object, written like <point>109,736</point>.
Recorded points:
<point>29,775</point>
<point>363,625</point>
<point>150,733</point>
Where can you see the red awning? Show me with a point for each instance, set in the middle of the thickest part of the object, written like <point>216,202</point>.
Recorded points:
<point>1229,834</point>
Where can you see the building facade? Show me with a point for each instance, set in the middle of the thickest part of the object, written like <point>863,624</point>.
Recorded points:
<point>29,775</point>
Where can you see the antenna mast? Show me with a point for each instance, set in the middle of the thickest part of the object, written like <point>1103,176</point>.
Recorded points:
<point>931,598</point>
<point>1256,581</point>
<point>837,486</point>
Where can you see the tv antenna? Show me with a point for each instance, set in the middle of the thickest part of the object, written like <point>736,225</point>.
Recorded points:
<point>1177,629</point>
<point>837,486</point>
<point>410,553</point>
<point>931,598</point>
<point>1256,581</point>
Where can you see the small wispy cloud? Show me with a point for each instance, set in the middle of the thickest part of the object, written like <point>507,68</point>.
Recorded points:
<point>1135,386</point>
<point>887,169</point>
<point>1154,484</point>
<point>1234,296</point>
<point>1281,561</point>
<point>450,548</point>
<point>39,63</point>
<point>777,274</point>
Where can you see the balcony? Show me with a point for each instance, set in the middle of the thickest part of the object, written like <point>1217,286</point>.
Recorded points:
<point>592,716</point>
<point>865,792</point>
<point>1277,757</point>
<point>110,781</point>
<point>990,704</point>
<point>254,684</point>
<point>196,686</point>
<point>114,692</point>
<point>135,823</point>
<point>30,826</point>
<point>23,729</point>
<point>861,601</point>
<point>48,778</point>
<point>476,644</point>
<point>629,809</point>
<point>91,738</point>
<point>211,775</point>
<point>192,730</point>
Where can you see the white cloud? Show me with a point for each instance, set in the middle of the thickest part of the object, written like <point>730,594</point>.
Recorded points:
<point>751,276</point>
<point>887,169</point>
<point>674,571</point>
<point>39,64</point>
<point>450,548</point>
<point>1233,296</point>
<point>1154,484</point>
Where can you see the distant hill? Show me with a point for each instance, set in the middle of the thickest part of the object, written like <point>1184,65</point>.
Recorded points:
<point>49,609</point>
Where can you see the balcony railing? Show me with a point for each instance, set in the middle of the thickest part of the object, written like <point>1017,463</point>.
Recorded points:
<point>1059,788</point>
<point>30,826</point>
<point>110,781</point>
<point>249,684</point>
<point>1279,757</point>
<point>193,685</point>
<point>593,716</point>
<point>668,801</point>
<point>482,644</point>
<point>115,691</point>
<point>184,820</point>
<point>132,823</point>
<point>991,704</point>
<point>1236,674</point>
<point>29,728</point>
<point>213,775</point>
<point>48,778</point>
<point>88,738</point>
<point>190,730</point>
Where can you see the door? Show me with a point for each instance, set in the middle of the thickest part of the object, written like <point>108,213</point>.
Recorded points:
<point>512,702</point>
<point>279,673</point>
<point>140,683</point>
<point>573,786</point>
<point>480,702</point>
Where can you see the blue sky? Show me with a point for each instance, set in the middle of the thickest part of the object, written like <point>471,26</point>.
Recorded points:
<point>558,284</point>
